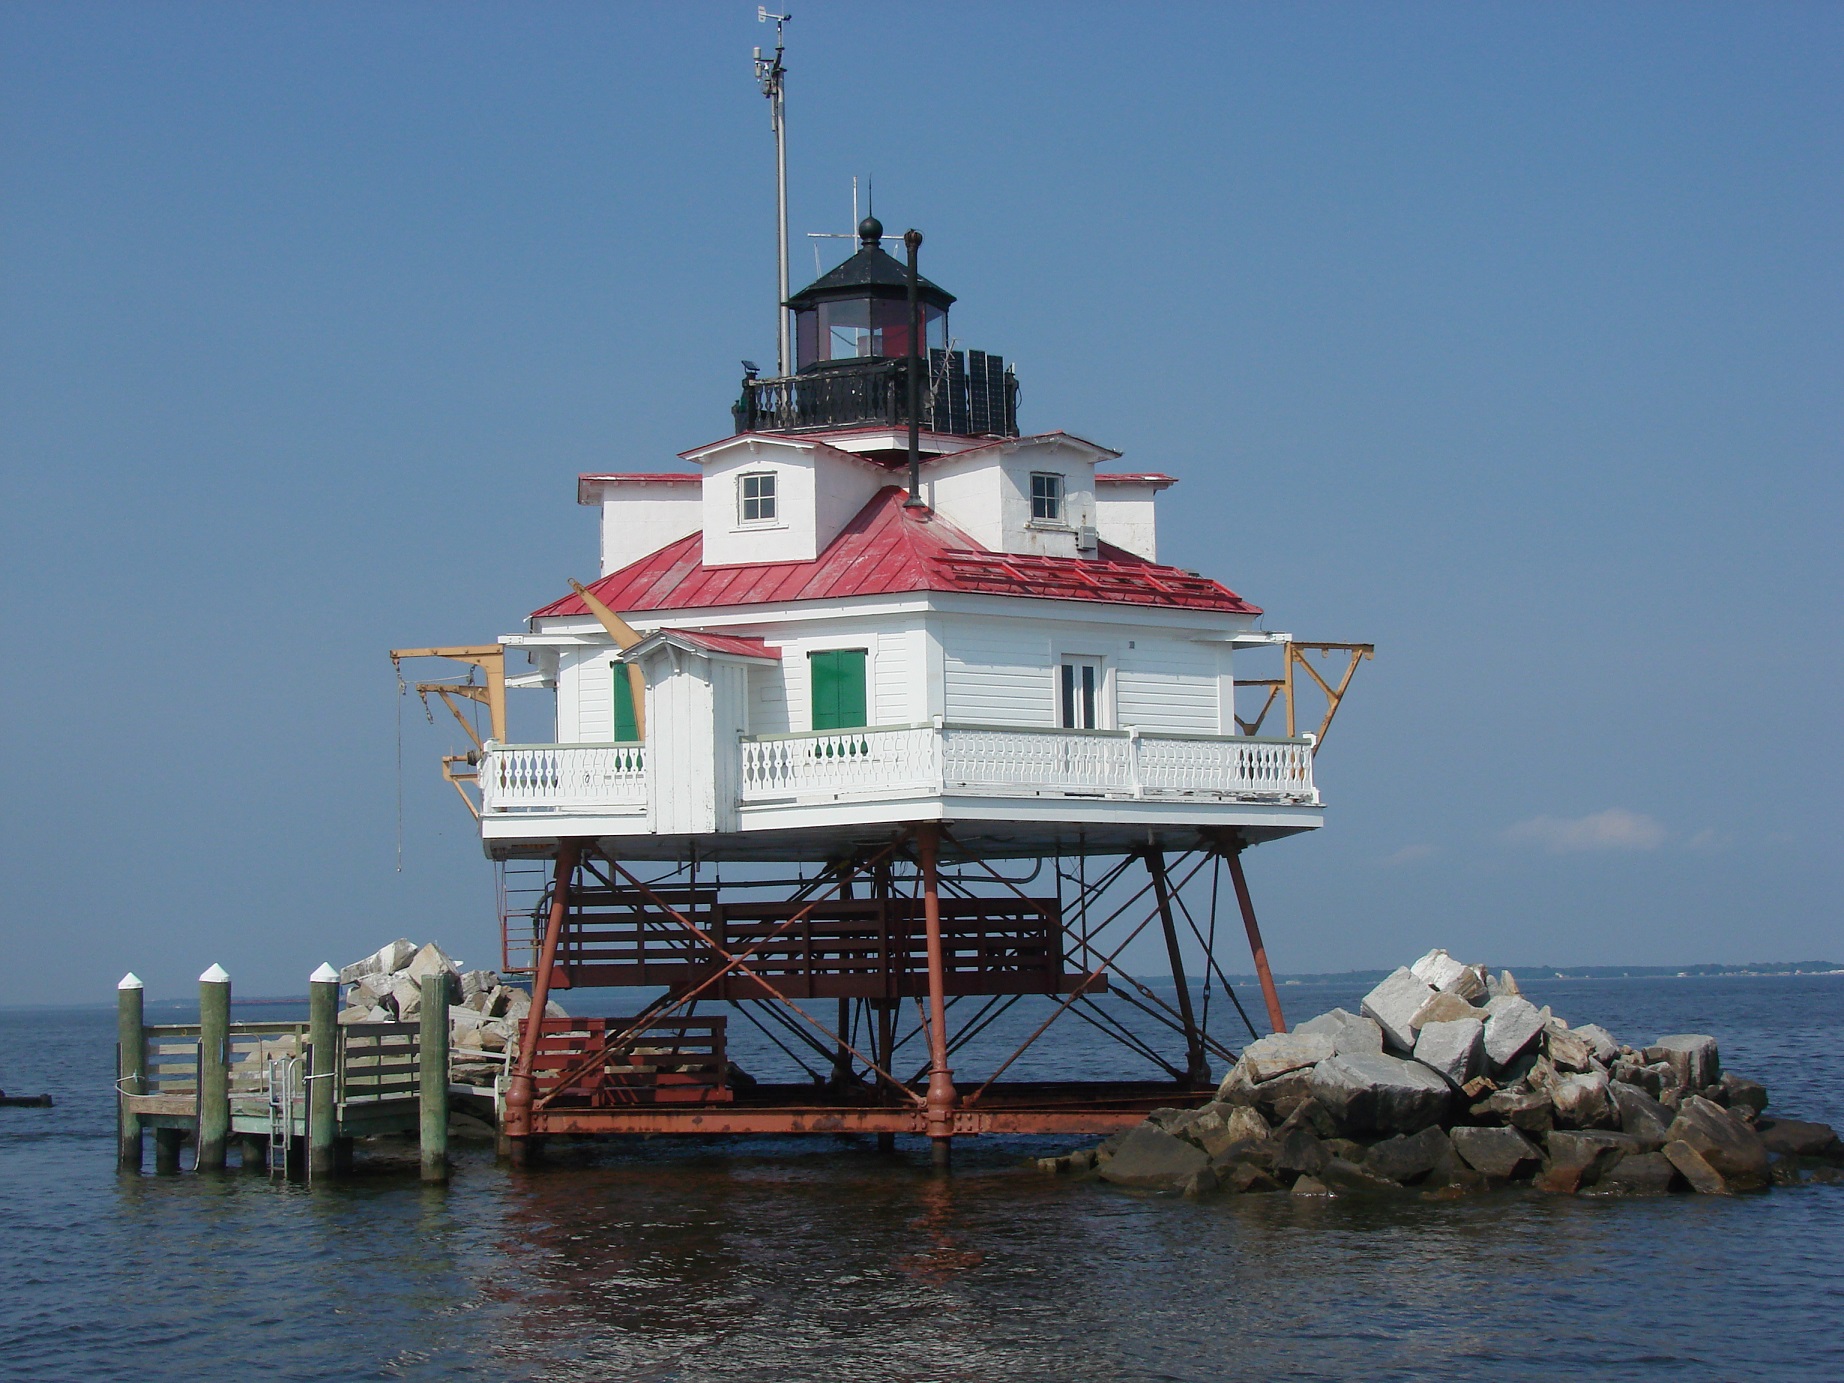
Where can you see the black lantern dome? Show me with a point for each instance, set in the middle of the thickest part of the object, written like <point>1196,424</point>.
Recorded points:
<point>860,311</point>
<point>852,359</point>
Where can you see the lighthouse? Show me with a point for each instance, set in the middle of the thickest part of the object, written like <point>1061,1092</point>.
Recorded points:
<point>878,708</point>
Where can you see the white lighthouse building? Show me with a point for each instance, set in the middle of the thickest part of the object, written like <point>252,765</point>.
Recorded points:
<point>876,631</point>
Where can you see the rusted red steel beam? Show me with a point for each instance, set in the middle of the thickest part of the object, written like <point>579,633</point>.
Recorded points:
<point>519,1089</point>
<point>942,1097</point>
<point>1268,992</point>
<point>691,1119</point>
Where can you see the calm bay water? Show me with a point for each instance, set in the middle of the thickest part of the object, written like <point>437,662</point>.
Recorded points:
<point>820,1260</point>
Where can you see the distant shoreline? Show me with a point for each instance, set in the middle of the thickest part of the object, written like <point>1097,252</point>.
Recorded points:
<point>1807,970</point>
<point>1795,970</point>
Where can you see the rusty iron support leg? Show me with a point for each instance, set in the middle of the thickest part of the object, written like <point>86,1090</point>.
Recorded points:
<point>941,1094</point>
<point>1268,992</point>
<point>1197,1067</point>
<point>519,1090</point>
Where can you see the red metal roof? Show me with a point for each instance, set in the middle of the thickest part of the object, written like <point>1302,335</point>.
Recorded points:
<point>888,549</point>
<point>1158,478</point>
<point>645,477</point>
<point>745,646</point>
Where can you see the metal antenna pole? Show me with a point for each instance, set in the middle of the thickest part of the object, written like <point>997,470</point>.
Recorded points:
<point>912,241</point>
<point>771,74</point>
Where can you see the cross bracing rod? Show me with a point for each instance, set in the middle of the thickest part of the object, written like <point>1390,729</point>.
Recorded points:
<point>738,963</point>
<point>1159,1011</point>
<point>1063,1007</point>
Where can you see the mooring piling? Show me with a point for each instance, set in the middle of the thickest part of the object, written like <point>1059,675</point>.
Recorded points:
<point>323,1055</point>
<point>213,1069</point>
<point>432,1072</point>
<point>130,1067</point>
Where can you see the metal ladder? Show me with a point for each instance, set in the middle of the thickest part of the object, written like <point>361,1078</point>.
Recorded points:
<point>282,1084</point>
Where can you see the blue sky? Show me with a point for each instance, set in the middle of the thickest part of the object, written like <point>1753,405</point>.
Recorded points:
<point>1504,336</point>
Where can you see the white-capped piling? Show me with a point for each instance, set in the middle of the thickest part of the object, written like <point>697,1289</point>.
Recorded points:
<point>323,1057</point>
<point>214,991</point>
<point>130,1067</point>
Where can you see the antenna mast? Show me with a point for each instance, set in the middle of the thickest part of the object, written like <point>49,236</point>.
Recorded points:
<point>771,76</point>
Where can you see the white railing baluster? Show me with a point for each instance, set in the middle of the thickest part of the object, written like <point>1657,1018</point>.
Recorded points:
<point>562,777</point>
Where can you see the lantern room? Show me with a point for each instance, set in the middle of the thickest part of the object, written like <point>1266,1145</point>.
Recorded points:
<point>860,311</point>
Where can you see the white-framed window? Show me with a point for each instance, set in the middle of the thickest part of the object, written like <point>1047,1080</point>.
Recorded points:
<point>1079,690</point>
<point>1046,497</point>
<point>755,494</point>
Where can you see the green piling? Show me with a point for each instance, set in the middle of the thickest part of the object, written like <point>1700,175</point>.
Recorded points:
<point>213,1069</point>
<point>433,1075</point>
<point>323,1040</point>
<point>131,1068</point>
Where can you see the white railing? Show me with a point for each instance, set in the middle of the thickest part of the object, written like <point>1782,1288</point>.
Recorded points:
<point>563,777</point>
<point>945,759</point>
<point>881,759</point>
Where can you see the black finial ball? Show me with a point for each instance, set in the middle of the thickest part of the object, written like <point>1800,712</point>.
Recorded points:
<point>871,230</point>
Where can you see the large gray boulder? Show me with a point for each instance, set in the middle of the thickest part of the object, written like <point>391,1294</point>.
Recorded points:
<point>1739,1093</point>
<point>1512,1024</point>
<point>1798,1138</point>
<point>1149,1159</point>
<point>1437,969</point>
<point>1455,1049</point>
<point>1692,1057</point>
<point>1641,1115</point>
<point>1577,1160</point>
<point>1723,1141</point>
<point>1704,1179</point>
<point>431,960</point>
<point>1381,1093</point>
<point>1393,1004</point>
<point>1565,1049</point>
<point>1583,1101</point>
<point>386,960</point>
<point>1444,1008</point>
<point>1283,1052</point>
<point>1350,1032</point>
<point>1521,1107</point>
<point>1605,1046</point>
<point>1411,1157</point>
<point>1637,1174</point>
<point>1502,1153</point>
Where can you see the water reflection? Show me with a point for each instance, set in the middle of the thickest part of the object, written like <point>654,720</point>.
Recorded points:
<point>822,1260</point>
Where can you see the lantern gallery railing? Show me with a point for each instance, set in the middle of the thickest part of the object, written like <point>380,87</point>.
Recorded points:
<point>968,393</point>
<point>563,777</point>
<point>1008,761</point>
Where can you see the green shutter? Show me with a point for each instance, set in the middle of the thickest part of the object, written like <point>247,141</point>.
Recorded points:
<point>838,688</point>
<point>627,724</point>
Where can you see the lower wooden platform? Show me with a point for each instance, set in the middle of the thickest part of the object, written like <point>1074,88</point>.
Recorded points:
<point>1072,1108</point>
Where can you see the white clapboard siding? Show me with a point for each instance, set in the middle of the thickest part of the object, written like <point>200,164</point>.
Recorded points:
<point>890,681</point>
<point>997,676</point>
<point>1168,685</point>
<point>595,699</point>
<point>768,701</point>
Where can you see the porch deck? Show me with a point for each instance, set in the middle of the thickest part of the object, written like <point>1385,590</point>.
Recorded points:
<point>1029,790</point>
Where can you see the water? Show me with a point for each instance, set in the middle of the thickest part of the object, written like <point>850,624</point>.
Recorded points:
<point>819,1260</point>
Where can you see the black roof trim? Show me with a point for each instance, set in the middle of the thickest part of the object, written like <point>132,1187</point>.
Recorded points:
<point>873,269</point>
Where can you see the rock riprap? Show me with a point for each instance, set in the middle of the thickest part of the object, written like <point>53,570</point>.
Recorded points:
<point>483,1012</point>
<point>1450,1081</point>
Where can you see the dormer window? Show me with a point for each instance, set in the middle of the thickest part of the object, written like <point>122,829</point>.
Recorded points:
<point>756,496</point>
<point>1046,498</point>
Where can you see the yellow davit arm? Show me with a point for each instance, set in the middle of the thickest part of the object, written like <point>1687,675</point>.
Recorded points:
<point>625,638</point>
